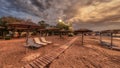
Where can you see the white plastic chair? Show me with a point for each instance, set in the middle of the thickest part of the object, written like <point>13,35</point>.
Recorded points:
<point>44,40</point>
<point>37,40</point>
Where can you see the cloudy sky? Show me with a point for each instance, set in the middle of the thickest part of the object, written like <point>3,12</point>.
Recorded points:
<point>92,14</point>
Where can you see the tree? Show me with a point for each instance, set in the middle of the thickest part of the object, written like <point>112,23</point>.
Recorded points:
<point>70,27</point>
<point>62,25</point>
<point>11,19</point>
<point>43,24</point>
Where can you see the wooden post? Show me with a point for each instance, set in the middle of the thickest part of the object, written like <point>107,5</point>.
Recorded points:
<point>100,37</point>
<point>13,34</point>
<point>111,38</point>
<point>19,33</point>
<point>40,33</point>
<point>60,32</point>
<point>82,38</point>
<point>4,34</point>
<point>46,33</point>
<point>27,36</point>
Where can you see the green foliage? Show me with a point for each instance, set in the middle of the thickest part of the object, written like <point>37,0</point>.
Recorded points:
<point>3,23</point>
<point>43,24</point>
<point>5,20</point>
<point>10,19</point>
<point>62,25</point>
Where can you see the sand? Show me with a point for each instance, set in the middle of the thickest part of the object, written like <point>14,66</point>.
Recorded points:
<point>13,54</point>
<point>90,55</point>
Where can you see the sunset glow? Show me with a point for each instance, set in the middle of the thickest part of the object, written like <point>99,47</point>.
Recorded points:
<point>60,20</point>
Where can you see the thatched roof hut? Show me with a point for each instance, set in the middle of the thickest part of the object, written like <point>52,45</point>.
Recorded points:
<point>82,31</point>
<point>19,27</point>
<point>24,25</point>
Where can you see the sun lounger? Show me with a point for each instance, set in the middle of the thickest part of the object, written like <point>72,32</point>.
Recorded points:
<point>44,40</point>
<point>37,40</point>
<point>30,43</point>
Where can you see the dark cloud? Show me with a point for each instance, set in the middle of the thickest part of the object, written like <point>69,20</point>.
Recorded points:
<point>87,13</point>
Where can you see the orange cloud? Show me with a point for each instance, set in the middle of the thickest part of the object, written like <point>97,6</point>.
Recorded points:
<point>97,11</point>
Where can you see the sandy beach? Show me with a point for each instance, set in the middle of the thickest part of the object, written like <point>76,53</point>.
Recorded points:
<point>13,54</point>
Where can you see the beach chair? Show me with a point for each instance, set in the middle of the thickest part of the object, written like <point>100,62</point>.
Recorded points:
<point>44,40</point>
<point>31,43</point>
<point>37,40</point>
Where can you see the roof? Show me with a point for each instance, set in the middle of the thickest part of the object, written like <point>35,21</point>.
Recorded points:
<point>83,30</point>
<point>24,24</point>
<point>111,31</point>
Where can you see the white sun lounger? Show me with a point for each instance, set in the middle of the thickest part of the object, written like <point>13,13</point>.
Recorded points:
<point>44,40</point>
<point>37,40</point>
<point>31,43</point>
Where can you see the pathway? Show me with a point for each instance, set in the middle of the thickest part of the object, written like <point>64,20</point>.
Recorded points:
<point>47,59</point>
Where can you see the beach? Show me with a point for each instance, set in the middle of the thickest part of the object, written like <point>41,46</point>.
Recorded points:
<point>13,53</point>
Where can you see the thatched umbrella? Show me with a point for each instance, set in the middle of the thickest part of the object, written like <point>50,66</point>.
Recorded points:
<point>22,26</point>
<point>82,31</point>
<point>111,34</point>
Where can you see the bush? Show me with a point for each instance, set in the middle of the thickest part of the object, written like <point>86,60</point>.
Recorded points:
<point>62,25</point>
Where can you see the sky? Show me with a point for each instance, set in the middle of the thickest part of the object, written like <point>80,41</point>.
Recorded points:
<point>90,14</point>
